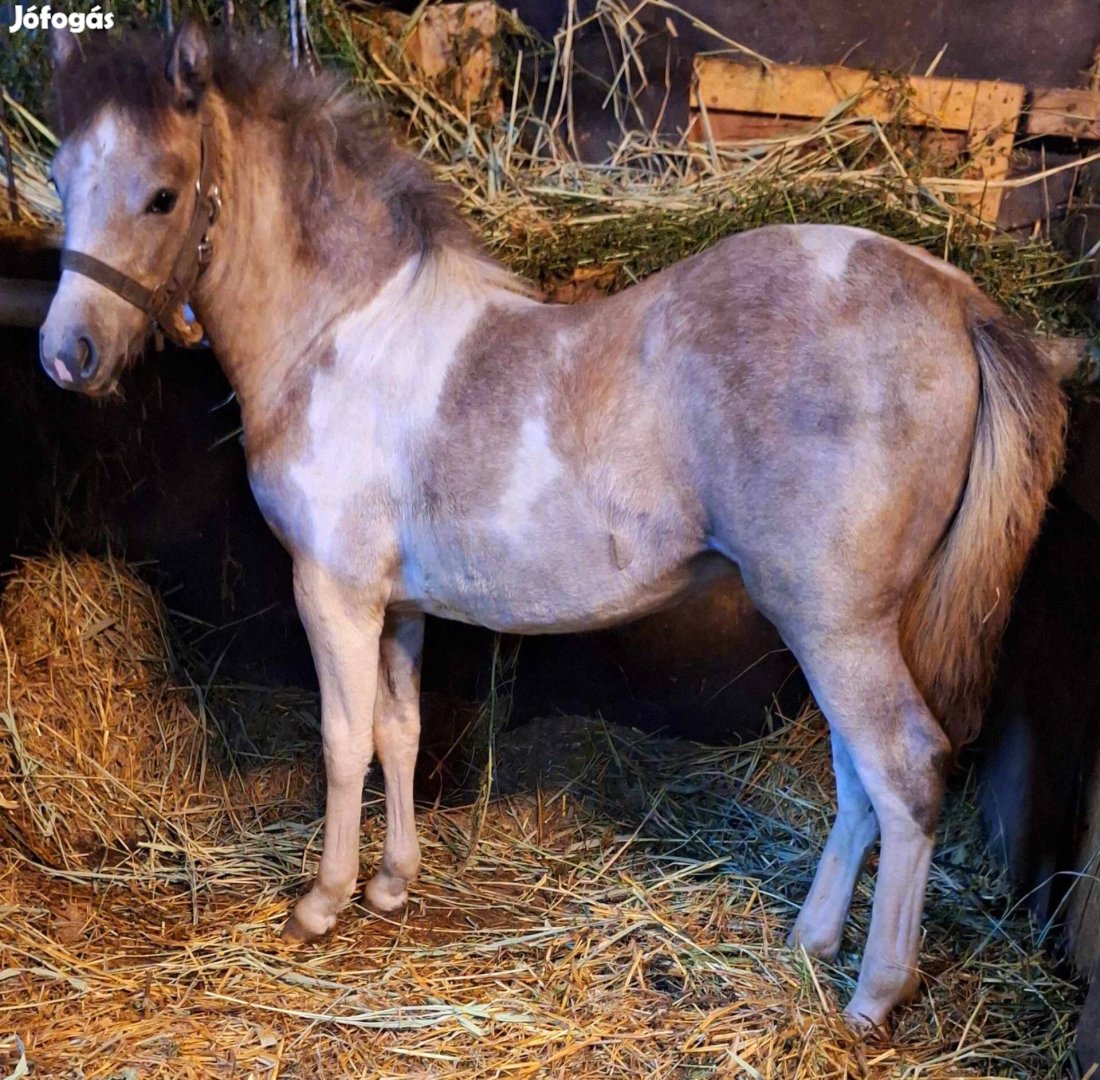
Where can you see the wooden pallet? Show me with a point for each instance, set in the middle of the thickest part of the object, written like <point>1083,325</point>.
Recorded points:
<point>1067,114</point>
<point>979,117</point>
<point>453,45</point>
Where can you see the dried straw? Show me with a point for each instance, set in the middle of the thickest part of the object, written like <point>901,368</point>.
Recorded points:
<point>562,220</point>
<point>619,908</point>
<point>97,745</point>
<point>103,748</point>
<point>630,922</point>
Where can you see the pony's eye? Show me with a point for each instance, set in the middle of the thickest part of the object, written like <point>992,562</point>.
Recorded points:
<point>162,202</point>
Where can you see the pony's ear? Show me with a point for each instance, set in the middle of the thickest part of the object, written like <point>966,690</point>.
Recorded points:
<point>64,47</point>
<point>189,65</point>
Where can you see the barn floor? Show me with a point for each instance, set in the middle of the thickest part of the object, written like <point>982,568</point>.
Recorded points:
<point>629,921</point>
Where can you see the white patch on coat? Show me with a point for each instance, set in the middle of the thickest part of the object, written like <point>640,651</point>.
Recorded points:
<point>830,247</point>
<point>371,410</point>
<point>534,469</point>
<point>104,137</point>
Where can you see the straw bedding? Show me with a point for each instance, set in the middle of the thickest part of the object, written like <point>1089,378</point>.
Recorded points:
<point>622,913</point>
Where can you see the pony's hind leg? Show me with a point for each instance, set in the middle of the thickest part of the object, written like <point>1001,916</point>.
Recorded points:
<point>396,741</point>
<point>898,752</point>
<point>820,924</point>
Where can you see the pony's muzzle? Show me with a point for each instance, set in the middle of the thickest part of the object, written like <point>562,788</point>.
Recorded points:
<point>73,361</point>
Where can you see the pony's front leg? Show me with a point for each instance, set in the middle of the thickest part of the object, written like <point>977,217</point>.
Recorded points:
<point>397,740</point>
<point>344,625</point>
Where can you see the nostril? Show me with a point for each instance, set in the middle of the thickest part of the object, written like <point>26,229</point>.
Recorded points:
<point>87,359</point>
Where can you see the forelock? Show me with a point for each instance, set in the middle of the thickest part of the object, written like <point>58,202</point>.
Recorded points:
<point>128,73</point>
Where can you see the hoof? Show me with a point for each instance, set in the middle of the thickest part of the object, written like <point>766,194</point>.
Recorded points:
<point>863,1025</point>
<point>869,1014</point>
<point>385,897</point>
<point>296,933</point>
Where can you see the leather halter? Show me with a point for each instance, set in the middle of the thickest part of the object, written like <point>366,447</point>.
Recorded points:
<point>163,303</point>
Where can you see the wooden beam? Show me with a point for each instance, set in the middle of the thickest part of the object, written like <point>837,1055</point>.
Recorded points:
<point>990,139</point>
<point>1067,114</point>
<point>984,111</point>
<point>727,127</point>
<point>815,92</point>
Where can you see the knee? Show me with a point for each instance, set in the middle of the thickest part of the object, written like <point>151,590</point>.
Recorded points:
<point>347,739</point>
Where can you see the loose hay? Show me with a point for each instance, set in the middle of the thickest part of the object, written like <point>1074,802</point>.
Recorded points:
<point>630,923</point>
<point>97,745</point>
<point>623,911</point>
<point>104,747</point>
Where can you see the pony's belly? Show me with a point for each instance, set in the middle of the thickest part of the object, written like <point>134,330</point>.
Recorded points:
<point>583,584</point>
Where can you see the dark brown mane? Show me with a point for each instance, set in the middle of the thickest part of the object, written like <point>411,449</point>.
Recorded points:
<point>334,136</point>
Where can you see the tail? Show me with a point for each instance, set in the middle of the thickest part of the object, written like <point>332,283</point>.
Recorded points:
<point>953,621</point>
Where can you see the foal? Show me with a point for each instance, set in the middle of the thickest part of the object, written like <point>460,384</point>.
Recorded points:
<point>847,420</point>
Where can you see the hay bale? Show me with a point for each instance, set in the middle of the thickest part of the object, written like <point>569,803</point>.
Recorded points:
<point>96,744</point>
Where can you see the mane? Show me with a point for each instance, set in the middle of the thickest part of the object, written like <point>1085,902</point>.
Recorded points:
<point>329,128</point>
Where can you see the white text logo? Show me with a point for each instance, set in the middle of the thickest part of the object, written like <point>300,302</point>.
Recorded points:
<point>77,21</point>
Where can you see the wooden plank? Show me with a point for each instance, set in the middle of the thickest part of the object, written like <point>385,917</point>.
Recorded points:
<point>1067,114</point>
<point>726,127</point>
<point>454,45</point>
<point>814,92</point>
<point>987,111</point>
<point>990,139</point>
<point>1083,911</point>
<point>937,149</point>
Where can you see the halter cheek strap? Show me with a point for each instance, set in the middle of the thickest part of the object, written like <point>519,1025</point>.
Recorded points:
<point>163,305</point>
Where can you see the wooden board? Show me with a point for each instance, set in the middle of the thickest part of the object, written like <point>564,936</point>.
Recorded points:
<point>1083,926</point>
<point>936,149</point>
<point>990,138</point>
<point>1067,114</point>
<point>815,92</point>
<point>1083,914</point>
<point>728,127</point>
<point>986,112</point>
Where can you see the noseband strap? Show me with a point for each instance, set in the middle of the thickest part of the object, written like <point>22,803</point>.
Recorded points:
<point>126,287</point>
<point>164,303</point>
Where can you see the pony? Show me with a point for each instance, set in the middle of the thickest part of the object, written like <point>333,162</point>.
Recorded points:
<point>844,420</point>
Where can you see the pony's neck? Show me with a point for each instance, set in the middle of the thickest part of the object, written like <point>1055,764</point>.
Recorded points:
<point>272,292</point>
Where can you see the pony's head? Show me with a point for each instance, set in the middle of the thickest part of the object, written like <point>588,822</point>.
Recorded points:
<point>128,169</point>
